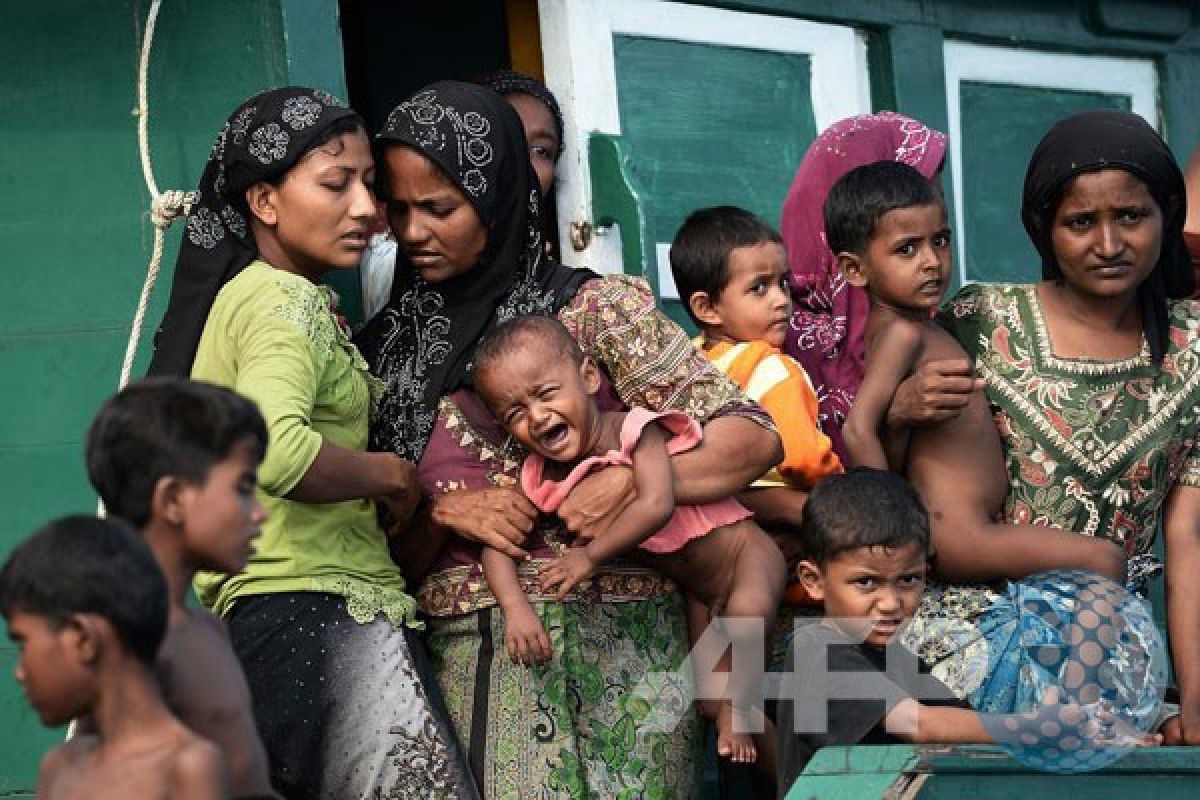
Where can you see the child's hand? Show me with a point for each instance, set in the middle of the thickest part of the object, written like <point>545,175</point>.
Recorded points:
<point>525,637</point>
<point>565,572</point>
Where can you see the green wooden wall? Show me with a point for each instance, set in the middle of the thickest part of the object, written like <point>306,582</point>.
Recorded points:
<point>692,116</point>
<point>75,232</point>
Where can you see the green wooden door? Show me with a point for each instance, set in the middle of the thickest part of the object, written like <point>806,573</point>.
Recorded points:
<point>709,125</point>
<point>705,106</point>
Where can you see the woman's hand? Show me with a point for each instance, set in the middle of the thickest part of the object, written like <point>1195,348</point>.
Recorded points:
<point>935,392</point>
<point>596,502</point>
<point>499,518</point>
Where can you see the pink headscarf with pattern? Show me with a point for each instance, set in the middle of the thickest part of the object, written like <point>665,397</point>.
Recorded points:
<point>829,317</point>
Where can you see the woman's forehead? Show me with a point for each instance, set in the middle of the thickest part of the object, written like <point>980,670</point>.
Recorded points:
<point>408,166</point>
<point>1111,183</point>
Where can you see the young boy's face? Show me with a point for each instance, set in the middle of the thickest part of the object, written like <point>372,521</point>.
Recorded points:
<point>907,262</point>
<point>869,591</point>
<point>222,516</point>
<point>50,667</point>
<point>755,304</point>
<point>543,399</point>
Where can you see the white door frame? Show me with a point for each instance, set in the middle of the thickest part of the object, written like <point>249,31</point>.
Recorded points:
<point>577,51</point>
<point>1135,78</point>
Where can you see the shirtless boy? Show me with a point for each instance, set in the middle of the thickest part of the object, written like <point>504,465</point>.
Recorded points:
<point>86,606</point>
<point>179,459</point>
<point>887,224</point>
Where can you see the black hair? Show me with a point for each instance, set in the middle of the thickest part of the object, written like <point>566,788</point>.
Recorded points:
<point>508,336</point>
<point>164,427</point>
<point>862,508</point>
<point>86,565</point>
<point>700,250</point>
<point>863,195</point>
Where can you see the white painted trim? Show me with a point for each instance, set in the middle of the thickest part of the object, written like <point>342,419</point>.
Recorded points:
<point>577,51</point>
<point>1135,78</point>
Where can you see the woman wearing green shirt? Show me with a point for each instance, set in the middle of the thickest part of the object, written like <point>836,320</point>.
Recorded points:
<point>319,619</point>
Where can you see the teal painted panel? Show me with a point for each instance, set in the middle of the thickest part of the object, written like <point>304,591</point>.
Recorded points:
<point>53,482</point>
<point>1001,125</point>
<point>73,370</point>
<point>710,125</point>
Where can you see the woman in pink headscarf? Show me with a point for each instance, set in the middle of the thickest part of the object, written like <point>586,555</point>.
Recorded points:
<point>826,334</point>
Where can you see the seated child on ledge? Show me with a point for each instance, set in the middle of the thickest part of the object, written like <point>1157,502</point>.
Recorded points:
<point>731,272</point>
<point>86,606</point>
<point>887,225</point>
<point>533,378</point>
<point>866,543</point>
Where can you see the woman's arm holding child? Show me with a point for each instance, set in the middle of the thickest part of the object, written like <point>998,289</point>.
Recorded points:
<point>651,508</point>
<point>1181,525</point>
<point>890,362</point>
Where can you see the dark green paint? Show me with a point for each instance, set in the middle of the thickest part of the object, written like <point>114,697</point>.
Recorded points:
<point>1001,125</point>
<point>709,125</point>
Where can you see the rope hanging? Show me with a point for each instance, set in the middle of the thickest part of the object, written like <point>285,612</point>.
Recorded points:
<point>165,207</point>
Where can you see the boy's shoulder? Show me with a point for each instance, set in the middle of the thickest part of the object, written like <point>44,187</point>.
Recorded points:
<point>62,762</point>
<point>197,668</point>
<point>181,763</point>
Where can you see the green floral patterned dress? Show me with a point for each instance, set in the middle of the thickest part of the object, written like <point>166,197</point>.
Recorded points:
<point>1091,446</point>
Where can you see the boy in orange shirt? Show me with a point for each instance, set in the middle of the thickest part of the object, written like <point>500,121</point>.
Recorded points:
<point>731,271</point>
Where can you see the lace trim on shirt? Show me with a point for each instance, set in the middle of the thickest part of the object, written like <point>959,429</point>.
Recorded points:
<point>365,601</point>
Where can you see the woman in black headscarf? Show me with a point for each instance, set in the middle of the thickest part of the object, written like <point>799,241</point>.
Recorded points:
<point>1094,376</point>
<point>463,203</point>
<point>319,618</point>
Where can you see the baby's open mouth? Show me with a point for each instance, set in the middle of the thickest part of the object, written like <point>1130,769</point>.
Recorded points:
<point>554,436</point>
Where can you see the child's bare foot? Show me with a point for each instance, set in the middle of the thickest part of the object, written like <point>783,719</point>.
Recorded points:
<point>524,636</point>
<point>737,747</point>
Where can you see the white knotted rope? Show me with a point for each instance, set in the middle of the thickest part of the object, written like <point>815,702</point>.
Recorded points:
<point>165,207</point>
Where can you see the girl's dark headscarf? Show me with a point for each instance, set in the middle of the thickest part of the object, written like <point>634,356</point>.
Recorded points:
<point>264,138</point>
<point>423,341</point>
<point>1097,140</point>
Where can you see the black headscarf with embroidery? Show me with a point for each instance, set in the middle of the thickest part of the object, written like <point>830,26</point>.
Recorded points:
<point>1098,140</point>
<point>422,343</point>
<point>264,138</point>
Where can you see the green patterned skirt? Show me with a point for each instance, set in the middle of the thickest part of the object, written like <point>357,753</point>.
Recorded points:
<point>572,728</point>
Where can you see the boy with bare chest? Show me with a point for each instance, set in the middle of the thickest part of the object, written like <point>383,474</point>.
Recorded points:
<point>179,460</point>
<point>887,225</point>
<point>86,605</point>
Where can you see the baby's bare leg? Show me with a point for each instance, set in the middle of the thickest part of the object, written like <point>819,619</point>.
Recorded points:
<point>740,572</point>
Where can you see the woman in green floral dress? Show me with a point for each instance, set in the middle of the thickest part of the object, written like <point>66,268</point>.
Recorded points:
<point>1094,377</point>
